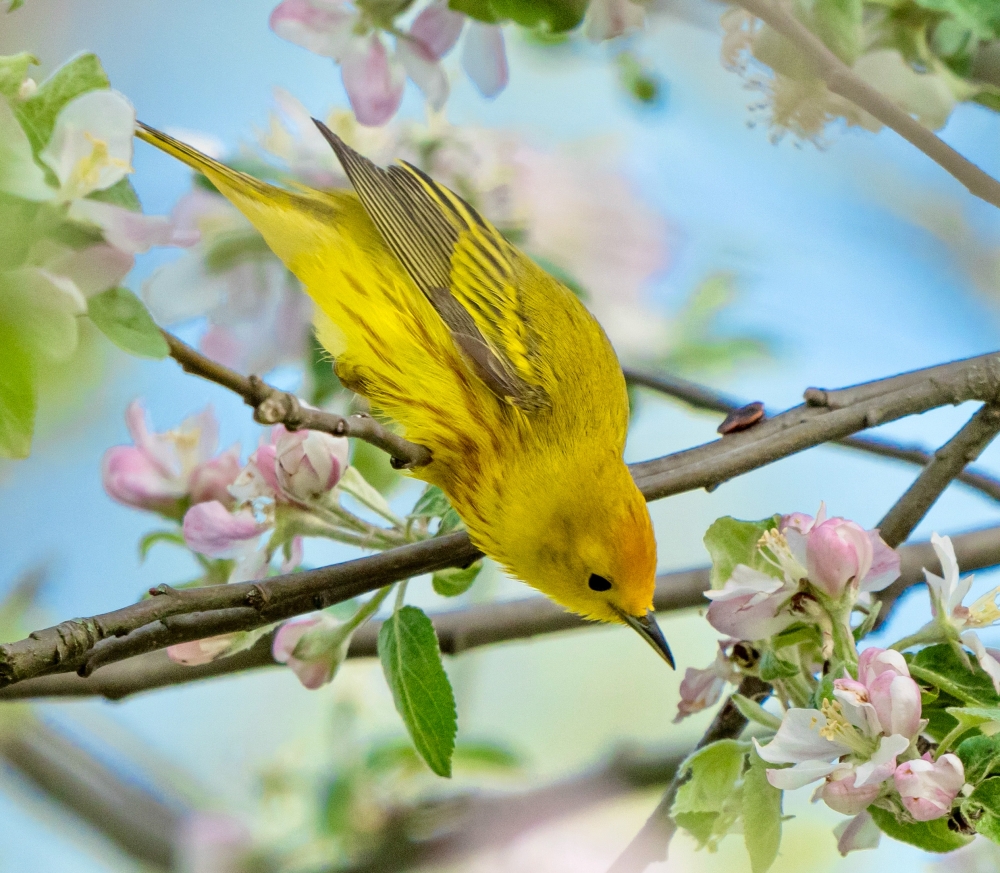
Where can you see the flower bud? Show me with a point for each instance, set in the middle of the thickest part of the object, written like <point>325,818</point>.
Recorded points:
<point>309,463</point>
<point>841,795</point>
<point>313,646</point>
<point>897,702</point>
<point>928,788</point>
<point>837,552</point>
<point>197,652</point>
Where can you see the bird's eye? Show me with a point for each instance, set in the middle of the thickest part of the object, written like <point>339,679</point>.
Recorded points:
<point>598,583</point>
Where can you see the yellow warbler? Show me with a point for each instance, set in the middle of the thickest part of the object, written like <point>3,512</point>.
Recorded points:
<point>480,356</point>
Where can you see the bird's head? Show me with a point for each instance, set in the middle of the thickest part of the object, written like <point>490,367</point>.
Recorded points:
<point>594,553</point>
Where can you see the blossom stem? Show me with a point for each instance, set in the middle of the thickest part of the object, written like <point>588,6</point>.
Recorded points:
<point>369,608</point>
<point>921,637</point>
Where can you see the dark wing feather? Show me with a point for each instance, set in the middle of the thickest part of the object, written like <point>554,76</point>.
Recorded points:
<point>461,264</point>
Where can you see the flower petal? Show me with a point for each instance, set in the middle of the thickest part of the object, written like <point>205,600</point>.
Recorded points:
<point>798,740</point>
<point>986,660</point>
<point>424,69</point>
<point>320,27</point>
<point>211,529</point>
<point>438,28</point>
<point>130,231</point>
<point>484,58</point>
<point>91,144</point>
<point>607,19</point>
<point>373,80</point>
<point>859,833</point>
<point>790,778</point>
<point>882,764</point>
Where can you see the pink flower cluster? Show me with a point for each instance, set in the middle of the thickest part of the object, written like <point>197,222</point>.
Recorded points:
<point>853,743</point>
<point>838,558</point>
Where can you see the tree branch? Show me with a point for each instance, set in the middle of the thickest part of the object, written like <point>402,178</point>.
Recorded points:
<point>651,843</point>
<point>700,397</point>
<point>272,406</point>
<point>840,79</point>
<point>180,616</point>
<point>949,461</point>
<point>461,630</point>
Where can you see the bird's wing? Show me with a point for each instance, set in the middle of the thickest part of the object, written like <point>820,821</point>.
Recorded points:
<point>461,263</point>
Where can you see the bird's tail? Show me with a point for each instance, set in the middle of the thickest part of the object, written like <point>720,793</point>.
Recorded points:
<point>292,222</point>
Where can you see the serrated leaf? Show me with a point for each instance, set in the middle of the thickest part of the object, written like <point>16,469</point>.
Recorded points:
<point>941,667</point>
<point>123,318</point>
<point>987,719</point>
<point>980,756</point>
<point>983,808</point>
<point>931,836</point>
<point>353,483</point>
<point>159,536</point>
<point>13,71</point>
<point>710,774</point>
<point>17,395</point>
<point>450,521</point>
<point>753,711</point>
<point>730,541</point>
<point>761,816</point>
<point>455,580</point>
<point>411,661</point>
<point>120,194</point>
<point>38,113</point>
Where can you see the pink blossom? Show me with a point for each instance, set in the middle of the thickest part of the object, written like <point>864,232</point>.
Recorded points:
<point>928,787</point>
<point>321,643</point>
<point>841,794</point>
<point>702,688</point>
<point>373,81</point>
<point>858,833</point>
<point>884,695</point>
<point>607,19</point>
<point>309,463</point>
<point>163,471</point>
<point>836,552</point>
<point>750,606</point>
<point>132,232</point>
<point>211,529</point>
<point>197,652</point>
<point>318,26</point>
<point>484,58</point>
<point>438,28</point>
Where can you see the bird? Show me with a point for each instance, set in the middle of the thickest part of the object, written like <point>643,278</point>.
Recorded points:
<point>477,354</point>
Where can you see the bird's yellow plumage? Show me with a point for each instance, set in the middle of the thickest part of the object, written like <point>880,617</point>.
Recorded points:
<point>480,356</point>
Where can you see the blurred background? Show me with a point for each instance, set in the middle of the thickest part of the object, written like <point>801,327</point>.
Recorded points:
<point>757,267</point>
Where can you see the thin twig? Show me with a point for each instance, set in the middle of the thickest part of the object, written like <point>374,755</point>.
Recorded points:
<point>272,406</point>
<point>199,612</point>
<point>967,445</point>
<point>651,843</point>
<point>460,630</point>
<point>840,79</point>
<point>701,397</point>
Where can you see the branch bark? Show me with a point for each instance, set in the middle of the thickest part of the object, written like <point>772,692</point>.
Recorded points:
<point>180,616</point>
<point>840,79</point>
<point>272,406</point>
<point>462,630</point>
<point>700,397</point>
<point>949,461</point>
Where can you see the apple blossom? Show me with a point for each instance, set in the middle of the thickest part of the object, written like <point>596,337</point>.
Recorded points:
<point>313,646</point>
<point>751,605</point>
<point>484,57</point>
<point>928,787</point>
<point>309,463</point>
<point>163,472</point>
<point>857,834</point>
<point>702,688</point>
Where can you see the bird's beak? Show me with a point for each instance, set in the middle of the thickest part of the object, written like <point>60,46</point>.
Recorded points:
<point>649,630</point>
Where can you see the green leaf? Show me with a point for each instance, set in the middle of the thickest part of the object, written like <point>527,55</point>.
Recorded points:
<point>772,667</point>
<point>374,466</point>
<point>838,23</point>
<point>353,483</point>
<point>159,536</point>
<point>822,691</point>
<point>980,756</point>
<point>120,194</point>
<point>753,711</point>
<point>710,773</point>
<point>432,503</point>
<point>411,661</point>
<point>324,383</point>
<point>17,395</point>
<point>982,17</point>
<point>20,175</point>
<point>983,808</point>
<point>730,542</point>
<point>931,836</point>
<point>338,803</point>
<point>449,521</point>
<point>455,580</point>
<point>941,667</point>
<point>13,71</point>
<point>761,816</point>
<point>480,10</point>
<point>123,318</point>
<point>485,756</point>
<point>555,16</point>
<point>38,113</point>
<point>987,719</point>
<point>14,5</point>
